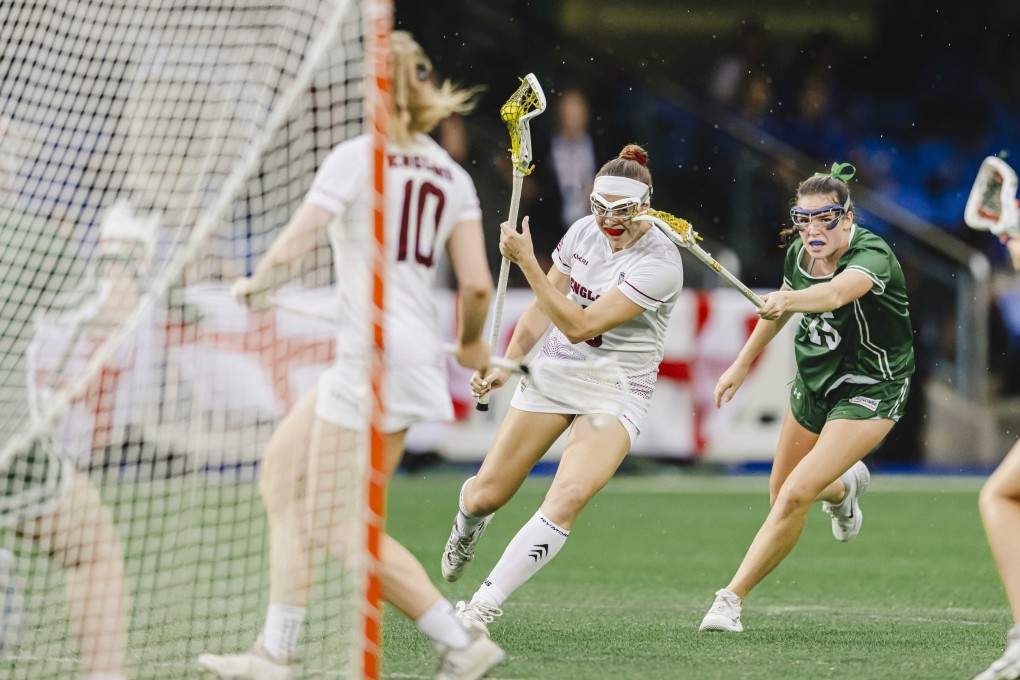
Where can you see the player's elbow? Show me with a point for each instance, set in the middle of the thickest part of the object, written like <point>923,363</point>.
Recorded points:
<point>475,294</point>
<point>580,332</point>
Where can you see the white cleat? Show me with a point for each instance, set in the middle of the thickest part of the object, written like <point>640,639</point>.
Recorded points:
<point>255,664</point>
<point>846,515</point>
<point>460,549</point>
<point>472,662</point>
<point>724,614</point>
<point>1006,667</point>
<point>476,616</point>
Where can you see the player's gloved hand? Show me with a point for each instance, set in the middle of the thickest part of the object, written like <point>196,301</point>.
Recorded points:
<point>494,380</point>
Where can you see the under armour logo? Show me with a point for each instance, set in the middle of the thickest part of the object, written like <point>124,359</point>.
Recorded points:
<point>796,393</point>
<point>539,551</point>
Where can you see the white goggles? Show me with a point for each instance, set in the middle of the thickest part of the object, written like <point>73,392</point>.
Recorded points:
<point>624,208</point>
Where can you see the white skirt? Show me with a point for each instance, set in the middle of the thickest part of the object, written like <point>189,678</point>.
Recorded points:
<point>526,398</point>
<point>410,394</point>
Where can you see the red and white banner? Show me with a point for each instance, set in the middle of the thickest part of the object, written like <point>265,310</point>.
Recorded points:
<point>230,370</point>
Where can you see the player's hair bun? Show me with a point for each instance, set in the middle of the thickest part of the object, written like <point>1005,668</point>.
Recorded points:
<point>633,152</point>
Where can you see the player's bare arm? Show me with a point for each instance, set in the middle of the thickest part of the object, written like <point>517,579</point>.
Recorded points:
<point>1013,246</point>
<point>575,322</point>
<point>822,297</point>
<point>277,266</point>
<point>733,377</point>
<point>466,250</point>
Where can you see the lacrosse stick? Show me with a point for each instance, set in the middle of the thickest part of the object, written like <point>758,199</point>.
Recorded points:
<point>992,204</point>
<point>682,233</point>
<point>575,384</point>
<point>524,104</point>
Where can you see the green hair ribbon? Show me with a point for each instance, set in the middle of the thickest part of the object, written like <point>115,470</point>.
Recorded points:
<point>843,171</point>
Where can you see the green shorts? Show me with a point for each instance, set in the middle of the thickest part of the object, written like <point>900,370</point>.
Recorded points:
<point>32,482</point>
<point>849,401</point>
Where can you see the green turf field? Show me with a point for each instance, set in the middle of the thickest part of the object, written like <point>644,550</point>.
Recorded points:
<point>915,596</point>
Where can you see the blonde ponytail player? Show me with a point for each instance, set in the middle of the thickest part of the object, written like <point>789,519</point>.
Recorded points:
<point>303,474</point>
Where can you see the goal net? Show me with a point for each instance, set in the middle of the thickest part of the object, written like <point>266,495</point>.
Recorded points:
<point>150,151</point>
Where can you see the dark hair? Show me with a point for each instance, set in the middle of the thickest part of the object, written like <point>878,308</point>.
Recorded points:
<point>632,163</point>
<point>819,185</point>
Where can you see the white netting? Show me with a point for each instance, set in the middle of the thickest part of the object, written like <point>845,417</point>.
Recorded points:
<point>150,151</point>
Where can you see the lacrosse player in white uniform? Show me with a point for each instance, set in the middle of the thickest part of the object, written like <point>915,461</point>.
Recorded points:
<point>431,204</point>
<point>611,289</point>
<point>46,498</point>
<point>1000,512</point>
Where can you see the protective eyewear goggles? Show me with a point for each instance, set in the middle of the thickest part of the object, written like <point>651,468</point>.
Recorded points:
<point>828,215</point>
<point>623,209</point>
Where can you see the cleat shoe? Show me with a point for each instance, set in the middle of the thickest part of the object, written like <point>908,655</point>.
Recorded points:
<point>724,614</point>
<point>472,662</point>
<point>460,549</point>
<point>255,664</point>
<point>846,515</point>
<point>1007,667</point>
<point>476,616</point>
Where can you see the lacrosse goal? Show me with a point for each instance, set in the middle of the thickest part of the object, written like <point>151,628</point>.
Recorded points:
<point>149,153</point>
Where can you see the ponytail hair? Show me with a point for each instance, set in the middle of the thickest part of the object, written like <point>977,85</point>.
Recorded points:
<point>418,104</point>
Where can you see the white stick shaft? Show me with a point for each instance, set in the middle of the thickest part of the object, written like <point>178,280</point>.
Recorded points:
<point>729,278</point>
<point>504,277</point>
<point>707,259</point>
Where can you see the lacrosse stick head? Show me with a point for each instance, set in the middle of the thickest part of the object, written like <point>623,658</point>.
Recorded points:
<point>677,228</point>
<point>523,105</point>
<point>992,204</point>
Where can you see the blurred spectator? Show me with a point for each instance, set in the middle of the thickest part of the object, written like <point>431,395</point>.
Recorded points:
<point>746,53</point>
<point>813,127</point>
<point>572,151</point>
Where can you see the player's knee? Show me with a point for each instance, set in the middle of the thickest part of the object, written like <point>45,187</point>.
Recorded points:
<point>794,495</point>
<point>565,501</point>
<point>484,497</point>
<point>993,497</point>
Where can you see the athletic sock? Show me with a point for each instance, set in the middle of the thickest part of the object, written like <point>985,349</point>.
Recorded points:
<point>466,522</point>
<point>441,624</point>
<point>538,541</point>
<point>282,630</point>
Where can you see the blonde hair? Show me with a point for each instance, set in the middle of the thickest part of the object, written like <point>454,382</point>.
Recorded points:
<point>418,104</point>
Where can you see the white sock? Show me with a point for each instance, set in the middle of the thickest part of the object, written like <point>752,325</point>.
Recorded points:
<point>465,520</point>
<point>441,624</point>
<point>282,630</point>
<point>538,541</point>
<point>105,676</point>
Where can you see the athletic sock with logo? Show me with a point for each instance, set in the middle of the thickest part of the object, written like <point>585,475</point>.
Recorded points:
<point>538,541</point>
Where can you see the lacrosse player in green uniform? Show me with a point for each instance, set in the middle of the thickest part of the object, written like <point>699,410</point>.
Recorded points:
<point>854,361</point>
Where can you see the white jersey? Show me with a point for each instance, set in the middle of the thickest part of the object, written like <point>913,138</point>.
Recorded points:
<point>427,193</point>
<point>649,273</point>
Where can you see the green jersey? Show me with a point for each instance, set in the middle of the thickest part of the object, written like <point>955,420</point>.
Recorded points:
<point>864,342</point>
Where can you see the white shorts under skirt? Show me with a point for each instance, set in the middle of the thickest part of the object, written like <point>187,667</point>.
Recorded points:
<point>527,399</point>
<point>411,395</point>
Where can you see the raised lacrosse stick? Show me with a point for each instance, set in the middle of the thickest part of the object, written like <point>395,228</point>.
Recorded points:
<point>524,104</point>
<point>682,233</point>
<point>992,204</point>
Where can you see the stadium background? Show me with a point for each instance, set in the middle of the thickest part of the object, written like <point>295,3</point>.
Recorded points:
<point>915,94</point>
